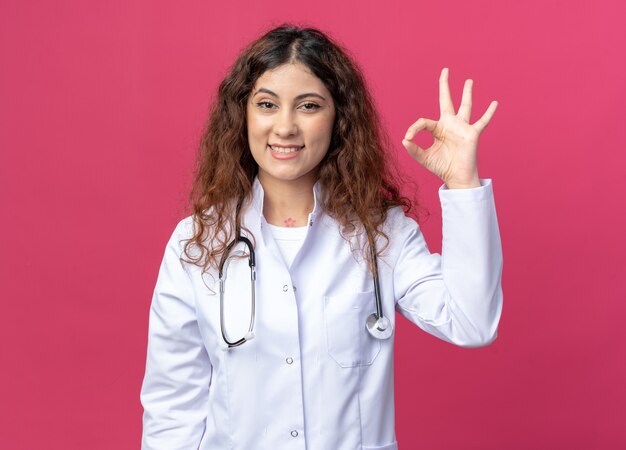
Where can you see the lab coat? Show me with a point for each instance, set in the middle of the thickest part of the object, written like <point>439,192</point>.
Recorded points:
<point>313,377</point>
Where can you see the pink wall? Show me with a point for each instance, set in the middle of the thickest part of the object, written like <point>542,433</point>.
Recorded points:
<point>101,105</point>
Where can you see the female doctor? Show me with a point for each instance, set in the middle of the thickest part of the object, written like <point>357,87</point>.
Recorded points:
<point>272,321</point>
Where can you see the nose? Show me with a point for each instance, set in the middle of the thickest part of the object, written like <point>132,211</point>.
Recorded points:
<point>286,124</point>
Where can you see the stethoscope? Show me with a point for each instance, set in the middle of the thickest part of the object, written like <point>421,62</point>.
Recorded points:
<point>377,324</point>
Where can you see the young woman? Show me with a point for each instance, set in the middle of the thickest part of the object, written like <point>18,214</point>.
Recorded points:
<point>272,322</point>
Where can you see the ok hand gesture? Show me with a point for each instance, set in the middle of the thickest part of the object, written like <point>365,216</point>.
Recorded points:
<point>453,155</point>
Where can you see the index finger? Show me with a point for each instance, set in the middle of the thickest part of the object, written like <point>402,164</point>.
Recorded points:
<point>421,124</point>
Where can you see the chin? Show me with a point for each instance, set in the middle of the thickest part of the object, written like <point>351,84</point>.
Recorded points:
<point>286,175</point>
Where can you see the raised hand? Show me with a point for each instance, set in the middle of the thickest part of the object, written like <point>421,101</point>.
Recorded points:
<point>453,155</point>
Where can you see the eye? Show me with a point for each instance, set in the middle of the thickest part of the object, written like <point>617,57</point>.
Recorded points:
<point>310,106</point>
<point>265,105</point>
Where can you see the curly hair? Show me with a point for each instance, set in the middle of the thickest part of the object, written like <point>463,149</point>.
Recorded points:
<point>358,178</point>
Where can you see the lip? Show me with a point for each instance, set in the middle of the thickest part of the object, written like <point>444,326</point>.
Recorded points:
<point>283,156</point>
<point>286,145</point>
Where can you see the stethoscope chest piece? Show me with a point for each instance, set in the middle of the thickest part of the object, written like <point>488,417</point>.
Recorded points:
<point>377,324</point>
<point>380,328</point>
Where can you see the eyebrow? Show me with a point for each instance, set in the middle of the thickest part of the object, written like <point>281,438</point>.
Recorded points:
<point>298,97</point>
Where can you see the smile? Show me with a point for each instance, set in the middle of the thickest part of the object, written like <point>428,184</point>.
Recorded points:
<point>285,149</point>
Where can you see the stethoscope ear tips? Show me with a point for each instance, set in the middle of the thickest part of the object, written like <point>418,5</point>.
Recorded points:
<point>380,328</point>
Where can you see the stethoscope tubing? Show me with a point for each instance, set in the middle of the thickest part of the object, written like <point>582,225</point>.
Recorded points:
<point>223,268</point>
<point>376,324</point>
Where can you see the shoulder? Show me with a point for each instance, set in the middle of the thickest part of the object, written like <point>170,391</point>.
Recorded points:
<point>398,223</point>
<point>401,232</point>
<point>188,227</point>
<point>185,228</point>
<point>183,232</point>
<point>195,234</point>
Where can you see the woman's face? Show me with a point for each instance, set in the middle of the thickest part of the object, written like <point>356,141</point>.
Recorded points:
<point>290,122</point>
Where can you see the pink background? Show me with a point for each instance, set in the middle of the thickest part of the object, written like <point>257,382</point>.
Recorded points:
<point>101,107</point>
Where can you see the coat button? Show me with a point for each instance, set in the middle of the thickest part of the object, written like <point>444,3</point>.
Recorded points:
<point>285,288</point>
<point>294,433</point>
<point>289,360</point>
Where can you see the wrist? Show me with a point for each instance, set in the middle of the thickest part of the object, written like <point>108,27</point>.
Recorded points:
<point>474,183</point>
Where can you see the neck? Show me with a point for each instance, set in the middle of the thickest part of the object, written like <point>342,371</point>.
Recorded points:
<point>287,203</point>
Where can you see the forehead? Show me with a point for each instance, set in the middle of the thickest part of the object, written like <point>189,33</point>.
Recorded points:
<point>290,77</point>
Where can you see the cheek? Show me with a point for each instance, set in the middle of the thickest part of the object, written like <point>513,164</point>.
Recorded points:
<point>254,129</point>
<point>322,131</point>
<point>258,126</point>
<point>328,131</point>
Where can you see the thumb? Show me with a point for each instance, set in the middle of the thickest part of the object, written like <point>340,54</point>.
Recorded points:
<point>416,152</point>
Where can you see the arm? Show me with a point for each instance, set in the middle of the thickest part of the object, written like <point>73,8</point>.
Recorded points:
<point>457,296</point>
<point>178,370</point>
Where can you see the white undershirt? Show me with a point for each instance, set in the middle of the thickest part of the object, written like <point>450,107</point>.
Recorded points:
<point>289,241</point>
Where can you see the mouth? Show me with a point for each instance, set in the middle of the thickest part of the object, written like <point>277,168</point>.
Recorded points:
<point>285,150</point>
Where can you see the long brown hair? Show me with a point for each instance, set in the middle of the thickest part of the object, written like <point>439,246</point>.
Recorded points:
<point>358,179</point>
